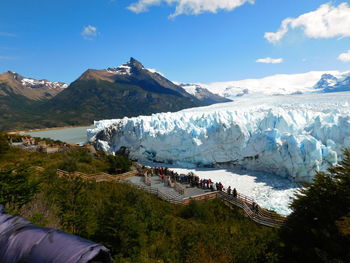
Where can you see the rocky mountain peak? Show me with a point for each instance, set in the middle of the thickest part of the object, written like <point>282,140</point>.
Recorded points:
<point>14,75</point>
<point>135,63</point>
<point>326,81</point>
<point>17,79</point>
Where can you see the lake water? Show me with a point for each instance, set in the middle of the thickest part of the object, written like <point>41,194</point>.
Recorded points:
<point>71,135</point>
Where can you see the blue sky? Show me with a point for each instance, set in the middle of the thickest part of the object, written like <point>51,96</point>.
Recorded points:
<point>218,40</point>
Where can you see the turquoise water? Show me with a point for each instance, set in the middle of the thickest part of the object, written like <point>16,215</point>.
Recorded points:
<point>71,135</point>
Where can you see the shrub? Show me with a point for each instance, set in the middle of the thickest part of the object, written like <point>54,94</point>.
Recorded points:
<point>318,228</point>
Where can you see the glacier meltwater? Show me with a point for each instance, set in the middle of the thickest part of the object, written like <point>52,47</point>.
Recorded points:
<point>292,136</point>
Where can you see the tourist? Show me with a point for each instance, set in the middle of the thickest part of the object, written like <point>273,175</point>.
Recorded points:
<point>234,193</point>
<point>220,186</point>
<point>257,208</point>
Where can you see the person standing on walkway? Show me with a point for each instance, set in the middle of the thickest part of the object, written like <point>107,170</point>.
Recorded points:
<point>229,190</point>
<point>234,193</point>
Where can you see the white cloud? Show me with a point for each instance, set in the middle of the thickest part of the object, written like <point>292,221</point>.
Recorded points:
<point>89,32</point>
<point>6,34</point>
<point>269,60</point>
<point>190,7</point>
<point>325,22</point>
<point>7,58</point>
<point>345,57</point>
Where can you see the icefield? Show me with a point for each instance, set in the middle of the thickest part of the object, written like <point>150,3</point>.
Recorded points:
<point>280,84</point>
<point>291,136</point>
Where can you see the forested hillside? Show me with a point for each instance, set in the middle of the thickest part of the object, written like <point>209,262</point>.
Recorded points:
<point>138,227</point>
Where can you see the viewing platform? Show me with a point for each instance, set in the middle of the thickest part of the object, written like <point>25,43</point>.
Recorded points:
<point>182,193</point>
<point>172,189</point>
<point>158,185</point>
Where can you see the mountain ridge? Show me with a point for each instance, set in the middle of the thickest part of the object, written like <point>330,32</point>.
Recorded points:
<point>125,91</point>
<point>330,83</point>
<point>131,90</point>
<point>12,82</point>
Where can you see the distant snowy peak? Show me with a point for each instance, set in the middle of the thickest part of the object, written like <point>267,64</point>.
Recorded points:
<point>33,83</point>
<point>281,84</point>
<point>331,83</point>
<point>121,70</point>
<point>135,74</point>
<point>203,94</point>
<point>327,80</point>
<point>127,68</point>
<point>14,83</point>
<point>192,89</point>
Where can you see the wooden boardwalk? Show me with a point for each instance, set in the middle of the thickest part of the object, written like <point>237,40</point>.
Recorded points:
<point>260,216</point>
<point>155,185</point>
<point>179,195</point>
<point>97,177</point>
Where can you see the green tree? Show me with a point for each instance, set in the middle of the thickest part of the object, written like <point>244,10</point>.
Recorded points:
<point>317,229</point>
<point>16,189</point>
<point>73,200</point>
<point>194,210</point>
<point>118,164</point>
<point>4,144</point>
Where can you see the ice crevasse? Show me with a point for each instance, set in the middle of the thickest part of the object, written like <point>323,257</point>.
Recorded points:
<point>291,136</point>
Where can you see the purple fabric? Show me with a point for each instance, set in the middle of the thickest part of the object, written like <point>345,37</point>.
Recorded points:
<point>62,247</point>
<point>19,244</point>
<point>21,241</point>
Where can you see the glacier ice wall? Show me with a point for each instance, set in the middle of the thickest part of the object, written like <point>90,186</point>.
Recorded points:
<point>292,136</point>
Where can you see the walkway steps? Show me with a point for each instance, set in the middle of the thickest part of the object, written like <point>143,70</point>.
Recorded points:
<point>262,217</point>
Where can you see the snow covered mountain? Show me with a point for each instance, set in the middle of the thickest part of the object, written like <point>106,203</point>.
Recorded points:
<point>18,97</point>
<point>203,94</point>
<point>292,136</point>
<point>13,83</point>
<point>134,73</point>
<point>281,84</point>
<point>330,83</point>
<point>36,84</point>
<point>127,90</point>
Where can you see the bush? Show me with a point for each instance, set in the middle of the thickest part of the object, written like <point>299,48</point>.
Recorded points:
<point>318,229</point>
<point>134,225</point>
<point>118,164</point>
<point>4,144</point>
<point>16,189</point>
<point>194,210</point>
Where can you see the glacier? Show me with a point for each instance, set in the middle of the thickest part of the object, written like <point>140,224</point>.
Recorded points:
<point>292,136</point>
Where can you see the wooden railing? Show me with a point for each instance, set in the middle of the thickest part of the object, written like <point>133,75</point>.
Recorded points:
<point>152,190</point>
<point>260,216</point>
<point>147,180</point>
<point>179,188</point>
<point>97,177</point>
<point>205,196</point>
